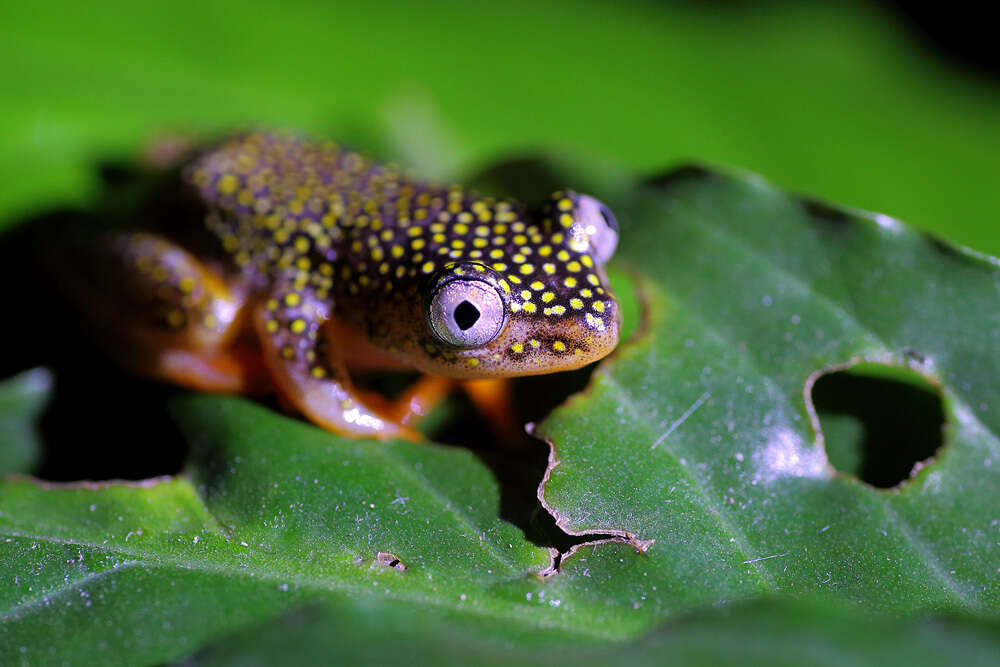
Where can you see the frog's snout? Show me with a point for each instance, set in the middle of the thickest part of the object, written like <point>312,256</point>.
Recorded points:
<point>585,336</point>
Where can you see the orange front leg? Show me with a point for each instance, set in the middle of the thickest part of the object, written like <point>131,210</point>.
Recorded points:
<point>307,367</point>
<point>420,398</point>
<point>493,400</point>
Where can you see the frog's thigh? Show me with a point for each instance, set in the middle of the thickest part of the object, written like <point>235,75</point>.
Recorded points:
<point>307,366</point>
<point>164,314</point>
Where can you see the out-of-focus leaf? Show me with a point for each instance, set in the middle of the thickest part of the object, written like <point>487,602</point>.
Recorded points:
<point>836,99</point>
<point>767,632</point>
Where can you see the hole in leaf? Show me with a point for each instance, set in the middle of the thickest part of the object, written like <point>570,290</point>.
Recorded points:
<point>466,315</point>
<point>878,422</point>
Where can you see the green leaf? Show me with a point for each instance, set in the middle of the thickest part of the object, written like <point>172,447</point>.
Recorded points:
<point>274,512</point>
<point>693,446</point>
<point>701,435</point>
<point>22,399</point>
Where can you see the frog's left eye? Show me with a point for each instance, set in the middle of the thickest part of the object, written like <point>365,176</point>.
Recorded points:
<point>466,313</point>
<point>596,229</point>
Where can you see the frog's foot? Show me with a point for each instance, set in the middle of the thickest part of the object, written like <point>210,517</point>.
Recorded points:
<point>307,367</point>
<point>420,399</point>
<point>160,312</point>
<point>490,397</point>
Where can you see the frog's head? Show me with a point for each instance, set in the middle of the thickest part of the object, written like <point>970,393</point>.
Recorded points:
<point>540,303</point>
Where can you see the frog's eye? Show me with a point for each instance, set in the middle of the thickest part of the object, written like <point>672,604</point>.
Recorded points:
<point>466,313</point>
<point>596,229</point>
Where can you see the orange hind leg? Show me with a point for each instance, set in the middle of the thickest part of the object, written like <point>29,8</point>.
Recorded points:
<point>160,312</point>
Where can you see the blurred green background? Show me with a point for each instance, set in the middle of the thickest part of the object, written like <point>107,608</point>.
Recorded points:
<point>841,101</point>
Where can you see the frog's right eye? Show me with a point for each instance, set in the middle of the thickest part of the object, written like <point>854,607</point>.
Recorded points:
<point>595,230</point>
<point>466,313</point>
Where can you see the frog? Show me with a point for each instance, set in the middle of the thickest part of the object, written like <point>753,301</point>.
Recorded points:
<point>278,261</point>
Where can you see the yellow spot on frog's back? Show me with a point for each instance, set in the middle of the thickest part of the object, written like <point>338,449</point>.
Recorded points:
<point>228,184</point>
<point>598,306</point>
<point>548,296</point>
<point>559,346</point>
<point>427,267</point>
<point>292,299</point>
<point>517,348</point>
<point>529,307</point>
<point>472,362</point>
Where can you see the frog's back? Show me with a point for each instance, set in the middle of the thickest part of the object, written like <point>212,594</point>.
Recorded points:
<point>278,201</point>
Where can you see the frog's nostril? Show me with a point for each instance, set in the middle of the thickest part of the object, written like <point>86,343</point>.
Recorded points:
<point>466,315</point>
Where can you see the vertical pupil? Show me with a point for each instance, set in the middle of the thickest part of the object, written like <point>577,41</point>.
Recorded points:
<point>609,218</point>
<point>466,315</point>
